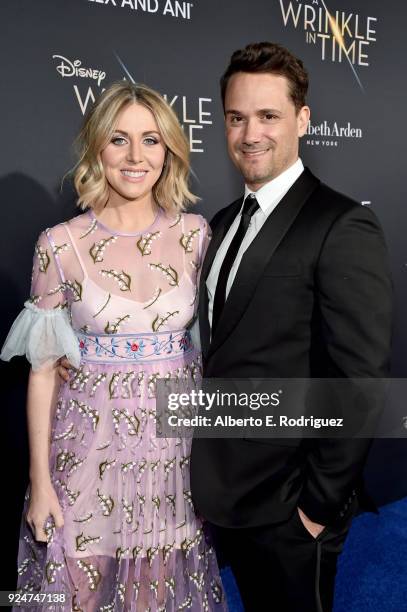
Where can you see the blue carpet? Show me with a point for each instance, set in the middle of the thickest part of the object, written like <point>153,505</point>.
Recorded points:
<point>372,572</point>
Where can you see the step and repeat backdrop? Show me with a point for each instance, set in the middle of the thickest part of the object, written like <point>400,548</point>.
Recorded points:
<point>57,56</point>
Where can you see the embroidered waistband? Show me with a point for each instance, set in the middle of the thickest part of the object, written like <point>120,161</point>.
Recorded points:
<point>135,347</point>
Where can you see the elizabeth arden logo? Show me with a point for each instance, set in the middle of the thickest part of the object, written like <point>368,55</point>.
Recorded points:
<point>328,134</point>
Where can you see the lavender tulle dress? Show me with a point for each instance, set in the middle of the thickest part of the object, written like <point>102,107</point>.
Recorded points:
<point>117,305</point>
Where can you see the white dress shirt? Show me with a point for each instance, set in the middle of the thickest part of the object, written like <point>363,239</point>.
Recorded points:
<point>268,197</point>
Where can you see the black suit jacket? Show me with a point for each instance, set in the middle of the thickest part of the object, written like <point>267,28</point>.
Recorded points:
<point>312,298</point>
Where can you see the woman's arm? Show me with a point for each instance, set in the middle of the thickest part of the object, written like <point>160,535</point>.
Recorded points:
<point>43,332</point>
<point>43,387</point>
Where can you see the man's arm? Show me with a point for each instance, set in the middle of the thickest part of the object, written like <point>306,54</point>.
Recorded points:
<point>354,294</point>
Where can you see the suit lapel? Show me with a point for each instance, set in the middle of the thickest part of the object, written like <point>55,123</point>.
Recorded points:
<point>219,232</point>
<point>257,256</point>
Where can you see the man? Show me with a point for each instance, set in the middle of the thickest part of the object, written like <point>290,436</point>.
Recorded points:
<point>295,284</point>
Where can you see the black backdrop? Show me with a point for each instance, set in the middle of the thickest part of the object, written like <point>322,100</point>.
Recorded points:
<point>57,55</point>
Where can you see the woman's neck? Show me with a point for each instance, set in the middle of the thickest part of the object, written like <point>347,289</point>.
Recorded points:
<point>129,216</point>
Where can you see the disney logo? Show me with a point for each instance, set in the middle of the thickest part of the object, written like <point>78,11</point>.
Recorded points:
<point>66,68</point>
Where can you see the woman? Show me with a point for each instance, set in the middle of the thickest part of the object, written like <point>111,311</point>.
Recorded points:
<point>114,289</point>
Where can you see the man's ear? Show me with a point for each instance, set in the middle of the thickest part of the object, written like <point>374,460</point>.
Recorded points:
<point>303,117</point>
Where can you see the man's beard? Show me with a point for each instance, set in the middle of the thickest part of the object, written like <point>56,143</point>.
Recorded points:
<point>253,174</point>
<point>257,176</point>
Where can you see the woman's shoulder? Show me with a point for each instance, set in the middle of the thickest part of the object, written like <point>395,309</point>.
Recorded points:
<point>196,230</point>
<point>184,221</point>
<point>195,221</point>
<point>76,226</point>
<point>195,217</point>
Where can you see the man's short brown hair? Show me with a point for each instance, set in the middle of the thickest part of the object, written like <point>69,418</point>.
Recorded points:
<point>267,57</point>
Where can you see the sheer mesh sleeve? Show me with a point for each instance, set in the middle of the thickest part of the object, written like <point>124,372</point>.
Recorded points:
<point>196,260</point>
<point>195,239</point>
<point>47,282</point>
<point>206,237</point>
<point>42,331</point>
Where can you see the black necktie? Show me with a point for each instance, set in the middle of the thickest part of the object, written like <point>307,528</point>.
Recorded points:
<point>249,208</point>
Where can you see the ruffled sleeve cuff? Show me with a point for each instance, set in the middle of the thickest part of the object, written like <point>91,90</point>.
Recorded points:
<point>43,335</point>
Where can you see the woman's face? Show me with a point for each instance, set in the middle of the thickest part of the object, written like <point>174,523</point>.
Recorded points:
<point>133,159</point>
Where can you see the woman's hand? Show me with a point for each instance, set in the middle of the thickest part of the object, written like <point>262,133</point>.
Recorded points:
<point>43,503</point>
<point>63,368</point>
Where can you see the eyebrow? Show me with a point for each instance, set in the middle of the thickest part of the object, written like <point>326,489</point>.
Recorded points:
<point>258,112</point>
<point>144,133</point>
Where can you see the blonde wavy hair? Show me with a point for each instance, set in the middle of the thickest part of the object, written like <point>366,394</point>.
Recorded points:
<point>171,191</point>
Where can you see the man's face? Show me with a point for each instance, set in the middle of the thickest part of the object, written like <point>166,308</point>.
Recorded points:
<point>262,126</point>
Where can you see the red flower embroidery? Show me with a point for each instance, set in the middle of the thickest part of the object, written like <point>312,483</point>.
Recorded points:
<point>134,347</point>
<point>82,344</point>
